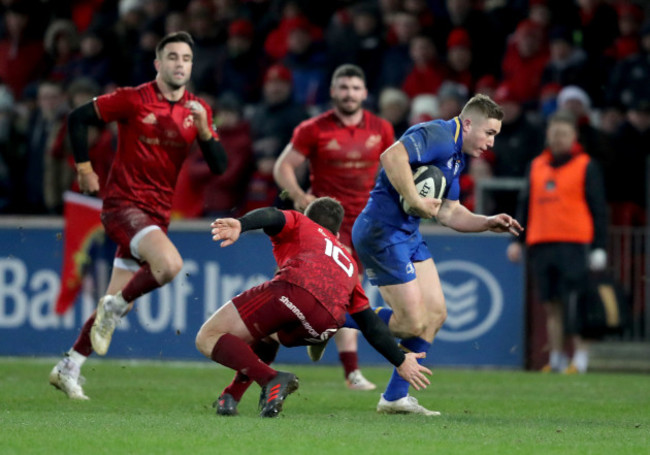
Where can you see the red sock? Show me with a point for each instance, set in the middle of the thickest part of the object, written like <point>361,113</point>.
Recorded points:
<point>83,345</point>
<point>142,282</point>
<point>234,353</point>
<point>266,352</point>
<point>350,361</point>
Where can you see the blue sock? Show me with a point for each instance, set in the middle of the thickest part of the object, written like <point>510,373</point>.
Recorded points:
<point>350,323</point>
<point>384,313</point>
<point>397,387</point>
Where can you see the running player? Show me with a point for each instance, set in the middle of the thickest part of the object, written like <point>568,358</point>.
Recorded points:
<point>157,123</point>
<point>389,242</point>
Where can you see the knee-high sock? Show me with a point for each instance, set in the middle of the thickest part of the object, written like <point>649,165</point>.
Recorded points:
<point>397,386</point>
<point>240,383</point>
<point>141,283</point>
<point>350,362</point>
<point>83,345</point>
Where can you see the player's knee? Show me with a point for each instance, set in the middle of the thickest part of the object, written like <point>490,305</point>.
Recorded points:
<point>168,268</point>
<point>201,342</point>
<point>413,328</point>
<point>438,317</point>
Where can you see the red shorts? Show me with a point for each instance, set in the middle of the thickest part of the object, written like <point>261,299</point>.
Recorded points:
<point>286,309</point>
<point>122,224</point>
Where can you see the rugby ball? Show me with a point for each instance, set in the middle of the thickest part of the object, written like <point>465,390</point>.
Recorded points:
<point>430,183</point>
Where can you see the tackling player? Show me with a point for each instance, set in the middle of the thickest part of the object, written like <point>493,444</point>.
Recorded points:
<point>157,123</point>
<point>305,303</point>
<point>389,242</point>
<point>342,146</point>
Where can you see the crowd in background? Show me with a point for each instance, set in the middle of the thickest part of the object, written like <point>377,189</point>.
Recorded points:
<point>265,65</point>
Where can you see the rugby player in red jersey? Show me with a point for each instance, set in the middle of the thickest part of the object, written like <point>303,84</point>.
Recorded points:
<point>342,146</point>
<point>305,303</point>
<point>157,123</point>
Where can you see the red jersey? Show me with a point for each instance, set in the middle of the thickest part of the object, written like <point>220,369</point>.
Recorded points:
<point>310,256</point>
<point>154,138</point>
<point>343,159</point>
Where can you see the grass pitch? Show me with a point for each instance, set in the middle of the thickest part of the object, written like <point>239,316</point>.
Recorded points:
<point>165,408</point>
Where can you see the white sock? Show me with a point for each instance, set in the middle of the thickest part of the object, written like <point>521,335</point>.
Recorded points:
<point>77,358</point>
<point>581,360</point>
<point>558,360</point>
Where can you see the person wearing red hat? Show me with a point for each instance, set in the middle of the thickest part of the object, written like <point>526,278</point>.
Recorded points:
<point>342,146</point>
<point>459,57</point>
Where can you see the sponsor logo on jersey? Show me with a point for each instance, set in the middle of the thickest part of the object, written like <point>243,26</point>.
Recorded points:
<point>372,141</point>
<point>150,119</point>
<point>333,145</point>
<point>474,300</point>
<point>410,269</point>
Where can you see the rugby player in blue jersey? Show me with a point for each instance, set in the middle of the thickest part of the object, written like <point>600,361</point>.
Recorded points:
<point>389,242</point>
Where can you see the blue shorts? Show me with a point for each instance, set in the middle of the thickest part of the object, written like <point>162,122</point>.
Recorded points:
<point>387,253</point>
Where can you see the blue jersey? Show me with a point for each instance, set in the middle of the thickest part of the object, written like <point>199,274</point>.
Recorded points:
<point>439,143</point>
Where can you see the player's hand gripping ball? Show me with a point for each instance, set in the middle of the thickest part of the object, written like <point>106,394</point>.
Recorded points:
<point>430,183</point>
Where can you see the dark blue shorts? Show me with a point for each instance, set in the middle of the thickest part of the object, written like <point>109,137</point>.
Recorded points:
<point>387,253</point>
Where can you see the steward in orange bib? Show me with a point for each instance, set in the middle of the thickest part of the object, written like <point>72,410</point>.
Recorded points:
<point>564,211</point>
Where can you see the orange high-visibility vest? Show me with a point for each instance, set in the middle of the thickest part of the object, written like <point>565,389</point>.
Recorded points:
<point>558,209</point>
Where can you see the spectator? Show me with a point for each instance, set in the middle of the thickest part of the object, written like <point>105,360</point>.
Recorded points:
<point>629,78</point>
<point>564,211</point>
<point>21,52</point>
<point>307,60</point>
<point>451,97</point>
<point>459,58</point>
<point>201,193</point>
<point>62,46</point>
<point>237,65</point>
<point>486,85</point>
<point>519,142</point>
<point>8,149</point>
<point>394,106</point>
<point>60,170</point>
<point>524,62</point>
<point>94,61</point>
<point>567,63</point>
<point>357,37</point>
<point>424,108</point>
<point>208,38</point>
<point>627,171</point>
<point>397,62</point>
<point>575,100</point>
<point>428,73</point>
<point>277,42</point>
<point>630,20</point>
<point>43,127</point>
<point>272,125</point>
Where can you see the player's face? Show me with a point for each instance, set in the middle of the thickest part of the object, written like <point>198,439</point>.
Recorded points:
<point>478,134</point>
<point>175,64</point>
<point>348,93</point>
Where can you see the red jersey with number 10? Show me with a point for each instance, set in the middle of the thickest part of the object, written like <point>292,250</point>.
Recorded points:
<point>343,159</point>
<point>310,256</point>
<point>154,138</point>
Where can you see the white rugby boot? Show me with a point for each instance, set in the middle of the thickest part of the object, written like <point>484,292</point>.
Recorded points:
<point>405,405</point>
<point>356,381</point>
<point>109,312</point>
<point>65,377</point>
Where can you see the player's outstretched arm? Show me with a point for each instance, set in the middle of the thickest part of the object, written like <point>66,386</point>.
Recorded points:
<point>456,216</point>
<point>228,230</point>
<point>378,335</point>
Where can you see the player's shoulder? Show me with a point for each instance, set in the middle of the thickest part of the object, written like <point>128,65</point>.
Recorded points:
<point>375,122</point>
<point>434,130</point>
<point>143,93</point>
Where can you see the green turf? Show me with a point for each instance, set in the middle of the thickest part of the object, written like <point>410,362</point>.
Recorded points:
<point>159,408</point>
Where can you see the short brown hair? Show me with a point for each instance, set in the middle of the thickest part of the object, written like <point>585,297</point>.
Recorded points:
<point>326,211</point>
<point>484,105</point>
<point>176,37</point>
<point>564,116</point>
<point>348,70</point>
